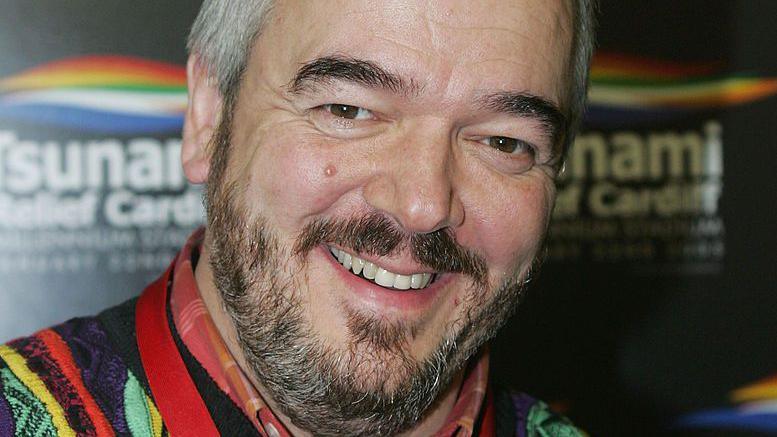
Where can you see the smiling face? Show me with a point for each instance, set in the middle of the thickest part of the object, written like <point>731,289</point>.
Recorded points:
<point>379,192</point>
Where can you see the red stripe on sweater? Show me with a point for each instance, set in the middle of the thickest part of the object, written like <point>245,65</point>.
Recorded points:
<point>62,355</point>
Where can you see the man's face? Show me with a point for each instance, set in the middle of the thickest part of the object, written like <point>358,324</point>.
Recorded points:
<point>416,142</point>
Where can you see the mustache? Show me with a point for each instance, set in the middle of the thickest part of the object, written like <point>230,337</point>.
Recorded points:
<point>377,235</point>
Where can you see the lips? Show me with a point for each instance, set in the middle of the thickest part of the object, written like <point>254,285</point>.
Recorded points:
<point>379,275</point>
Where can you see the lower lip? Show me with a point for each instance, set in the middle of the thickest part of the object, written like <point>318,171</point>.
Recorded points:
<point>373,295</point>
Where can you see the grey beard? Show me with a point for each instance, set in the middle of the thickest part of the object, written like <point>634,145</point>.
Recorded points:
<point>321,389</point>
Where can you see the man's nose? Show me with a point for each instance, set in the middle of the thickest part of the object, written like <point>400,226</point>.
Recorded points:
<point>415,181</point>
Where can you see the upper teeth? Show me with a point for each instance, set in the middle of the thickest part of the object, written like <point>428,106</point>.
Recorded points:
<point>379,275</point>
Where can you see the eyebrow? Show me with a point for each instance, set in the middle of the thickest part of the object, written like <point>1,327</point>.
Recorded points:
<point>527,105</point>
<point>326,69</point>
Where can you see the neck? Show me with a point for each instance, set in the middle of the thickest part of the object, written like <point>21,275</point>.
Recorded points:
<point>433,420</point>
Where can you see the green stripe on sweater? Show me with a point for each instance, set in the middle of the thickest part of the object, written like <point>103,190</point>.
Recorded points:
<point>31,417</point>
<point>142,416</point>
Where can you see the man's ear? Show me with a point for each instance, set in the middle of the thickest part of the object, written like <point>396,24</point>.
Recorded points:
<point>202,118</point>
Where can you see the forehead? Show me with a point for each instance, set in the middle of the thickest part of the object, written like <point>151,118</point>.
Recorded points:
<point>447,47</point>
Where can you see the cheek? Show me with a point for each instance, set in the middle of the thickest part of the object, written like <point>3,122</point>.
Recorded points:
<point>509,227</point>
<point>295,177</point>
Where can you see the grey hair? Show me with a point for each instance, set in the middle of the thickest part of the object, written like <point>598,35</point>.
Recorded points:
<point>224,32</point>
<point>222,36</point>
<point>583,43</point>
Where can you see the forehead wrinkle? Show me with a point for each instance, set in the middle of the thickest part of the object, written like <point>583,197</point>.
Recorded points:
<point>459,18</point>
<point>404,46</point>
<point>371,12</point>
<point>460,28</point>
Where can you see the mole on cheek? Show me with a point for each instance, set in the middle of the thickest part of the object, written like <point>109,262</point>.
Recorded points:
<point>330,170</point>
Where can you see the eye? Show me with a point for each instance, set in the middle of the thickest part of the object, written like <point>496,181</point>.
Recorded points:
<point>509,145</point>
<point>348,112</point>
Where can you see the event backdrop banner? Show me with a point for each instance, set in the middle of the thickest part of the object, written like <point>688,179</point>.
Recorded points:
<point>93,201</point>
<point>654,311</point>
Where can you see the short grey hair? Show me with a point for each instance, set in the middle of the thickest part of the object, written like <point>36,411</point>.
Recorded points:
<point>222,36</point>
<point>583,42</point>
<point>224,32</point>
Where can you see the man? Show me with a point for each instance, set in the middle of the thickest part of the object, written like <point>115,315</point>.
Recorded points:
<point>380,176</point>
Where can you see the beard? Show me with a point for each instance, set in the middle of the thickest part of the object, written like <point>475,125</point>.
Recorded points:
<point>371,385</point>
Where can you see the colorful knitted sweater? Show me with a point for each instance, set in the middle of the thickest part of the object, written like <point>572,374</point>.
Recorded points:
<point>71,380</point>
<point>85,378</point>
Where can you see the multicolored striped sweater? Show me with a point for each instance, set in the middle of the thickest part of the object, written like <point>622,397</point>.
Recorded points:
<point>70,380</point>
<point>85,378</point>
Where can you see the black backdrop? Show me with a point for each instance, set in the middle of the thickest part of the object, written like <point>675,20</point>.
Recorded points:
<point>657,299</point>
<point>638,347</point>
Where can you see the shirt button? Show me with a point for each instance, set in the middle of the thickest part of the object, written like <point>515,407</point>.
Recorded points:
<point>271,431</point>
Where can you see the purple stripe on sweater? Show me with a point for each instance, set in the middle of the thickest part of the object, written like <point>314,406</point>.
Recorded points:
<point>103,372</point>
<point>6,418</point>
<point>522,403</point>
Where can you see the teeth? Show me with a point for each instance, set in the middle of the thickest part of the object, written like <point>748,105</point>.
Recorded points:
<point>357,265</point>
<point>369,270</point>
<point>385,278</point>
<point>380,275</point>
<point>416,281</point>
<point>402,282</point>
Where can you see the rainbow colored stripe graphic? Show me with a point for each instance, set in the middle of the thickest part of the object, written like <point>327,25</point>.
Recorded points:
<point>627,90</point>
<point>756,410</point>
<point>125,95</point>
<point>106,94</point>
